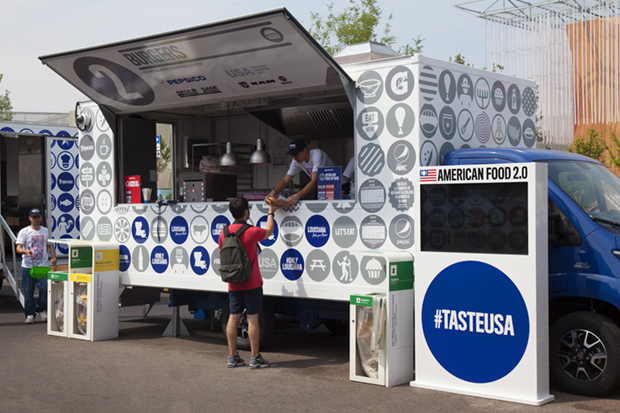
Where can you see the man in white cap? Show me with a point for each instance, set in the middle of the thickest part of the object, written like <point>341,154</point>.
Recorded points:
<point>305,160</point>
<point>32,244</point>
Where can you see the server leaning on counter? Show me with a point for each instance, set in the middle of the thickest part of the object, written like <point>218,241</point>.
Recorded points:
<point>304,159</point>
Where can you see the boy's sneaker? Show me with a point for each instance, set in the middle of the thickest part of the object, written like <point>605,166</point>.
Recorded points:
<point>235,361</point>
<point>258,362</point>
<point>29,319</point>
<point>43,315</point>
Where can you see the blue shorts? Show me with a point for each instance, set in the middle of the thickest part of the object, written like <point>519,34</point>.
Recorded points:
<point>250,300</point>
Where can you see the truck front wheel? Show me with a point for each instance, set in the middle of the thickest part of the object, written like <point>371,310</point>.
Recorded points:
<point>266,319</point>
<point>584,355</point>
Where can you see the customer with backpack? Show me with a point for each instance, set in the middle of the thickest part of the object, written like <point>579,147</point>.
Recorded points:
<point>234,266</point>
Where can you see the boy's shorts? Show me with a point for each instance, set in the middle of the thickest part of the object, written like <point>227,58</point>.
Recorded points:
<point>250,300</point>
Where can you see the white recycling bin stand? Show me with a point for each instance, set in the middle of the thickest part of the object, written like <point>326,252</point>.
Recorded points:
<point>381,333</point>
<point>57,303</point>
<point>92,290</point>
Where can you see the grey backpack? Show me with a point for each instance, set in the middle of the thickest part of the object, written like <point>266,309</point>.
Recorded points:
<point>235,266</point>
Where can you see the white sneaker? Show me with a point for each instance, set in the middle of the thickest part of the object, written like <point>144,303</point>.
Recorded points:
<point>43,315</point>
<point>29,319</point>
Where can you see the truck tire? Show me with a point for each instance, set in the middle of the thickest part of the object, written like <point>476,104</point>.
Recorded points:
<point>266,319</point>
<point>584,356</point>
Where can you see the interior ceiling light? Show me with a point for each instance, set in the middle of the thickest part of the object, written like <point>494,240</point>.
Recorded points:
<point>229,158</point>
<point>260,155</point>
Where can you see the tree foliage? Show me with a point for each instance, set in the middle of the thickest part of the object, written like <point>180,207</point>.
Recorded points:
<point>165,156</point>
<point>592,146</point>
<point>358,23</point>
<point>6,114</point>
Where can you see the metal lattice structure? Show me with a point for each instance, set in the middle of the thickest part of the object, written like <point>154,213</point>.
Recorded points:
<point>571,48</point>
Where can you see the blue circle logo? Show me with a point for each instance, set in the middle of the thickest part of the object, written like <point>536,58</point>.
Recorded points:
<point>159,259</point>
<point>292,264</point>
<point>53,181</point>
<point>199,259</point>
<point>317,231</point>
<point>66,181</point>
<point>65,160</point>
<point>218,224</point>
<point>124,258</point>
<point>475,322</point>
<point>65,144</point>
<point>179,230</point>
<point>65,202</point>
<point>262,223</point>
<point>64,248</point>
<point>65,223</point>
<point>140,230</point>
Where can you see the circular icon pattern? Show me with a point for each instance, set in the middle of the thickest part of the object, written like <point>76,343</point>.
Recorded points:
<point>199,260</point>
<point>104,146</point>
<point>428,120</point>
<point>291,231</point>
<point>317,265</point>
<point>292,264</point>
<point>199,229</point>
<point>399,83</point>
<point>268,263</point>
<point>122,230</point>
<point>447,86</point>
<point>529,101</point>
<point>179,230</point>
<point>371,159</point>
<point>344,232</point>
<point>217,226</point>
<point>483,93</point>
<point>373,269</point>
<point>514,131</point>
<point>104,229</point>
<point>370,123</point>
<point>140,230</point>
<point>400,120</point>
<point>482,127</point>
<point>465,125</point>
<point>498,96</point>
<point>124,258</point>
<point>87,148</point>
<point>317,231</point>
<point>159,229</point>
<point>373,231</point>
<point>428,83</point>
<point>159,259</point>
<point>345,267</point>
<point>372,195</point>
<point>140,258</point>
<point>369,87</point>
<point>402,231</point>
<point>514,99</point>
<point>401,157</point>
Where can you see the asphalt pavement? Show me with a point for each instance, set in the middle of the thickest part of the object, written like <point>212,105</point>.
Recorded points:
<point>142,371</point>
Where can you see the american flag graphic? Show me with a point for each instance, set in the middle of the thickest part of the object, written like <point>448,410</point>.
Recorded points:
<point>37,246</point>
<point>428,175</point>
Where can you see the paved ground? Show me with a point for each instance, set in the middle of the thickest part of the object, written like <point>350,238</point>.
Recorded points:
<point>143,371</point>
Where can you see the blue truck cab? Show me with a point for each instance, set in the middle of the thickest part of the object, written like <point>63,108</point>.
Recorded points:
<point>584,264</point>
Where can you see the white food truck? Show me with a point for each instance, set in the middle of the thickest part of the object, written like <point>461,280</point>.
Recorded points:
<point>256,82</point>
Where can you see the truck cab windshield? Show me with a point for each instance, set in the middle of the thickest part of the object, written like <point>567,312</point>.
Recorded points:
<point>593,187</point>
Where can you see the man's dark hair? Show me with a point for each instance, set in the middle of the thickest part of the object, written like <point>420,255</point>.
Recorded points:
<point>238,206</point>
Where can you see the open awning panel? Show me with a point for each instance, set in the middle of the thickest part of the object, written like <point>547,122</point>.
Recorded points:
<point>266,54</point>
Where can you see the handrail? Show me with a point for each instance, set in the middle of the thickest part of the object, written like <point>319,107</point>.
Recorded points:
<point>10,277</point>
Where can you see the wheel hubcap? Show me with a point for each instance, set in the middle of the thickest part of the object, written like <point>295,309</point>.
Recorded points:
<point>582,355</point>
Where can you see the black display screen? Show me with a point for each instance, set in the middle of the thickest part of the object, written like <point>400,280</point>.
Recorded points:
<point>477,218</point>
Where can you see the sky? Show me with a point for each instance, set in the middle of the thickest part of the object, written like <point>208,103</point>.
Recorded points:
<point>33,28</point>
